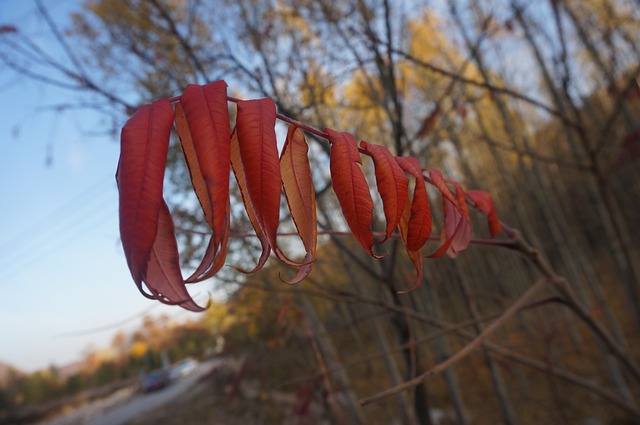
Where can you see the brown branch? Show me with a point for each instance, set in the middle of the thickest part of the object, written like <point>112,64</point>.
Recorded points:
<point>534,155</point>
<point>508,244</point>
<point>464,352</point>
<point>617,109</point>
<point>485,85</point>
<point>563,287</point>
<point>183,42</point>
<point>446,328</point>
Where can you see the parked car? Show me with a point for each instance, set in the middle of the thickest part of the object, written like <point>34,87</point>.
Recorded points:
<point>183,368</point>
<point>155,380</point>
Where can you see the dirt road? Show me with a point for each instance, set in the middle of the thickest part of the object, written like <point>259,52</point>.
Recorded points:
<point>127,404</point>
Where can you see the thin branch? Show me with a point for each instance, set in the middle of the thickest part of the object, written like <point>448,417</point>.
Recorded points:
<point>464,352</point>
<point>617,109</point>
<point>557,372</point>
<point>183,42</point>
<point>534,155</point>
<point>485,85</point>
<point>508,244</point>
<point>536,257</point>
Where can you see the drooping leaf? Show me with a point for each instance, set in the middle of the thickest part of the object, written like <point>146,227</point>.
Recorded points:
<point>255,127</point>
<point>455,226</point>
<point>420,221</point>
<point>429,123</point>
<point>451,225</point>
<point>298,188</point>
<point>414,255</point>
<point>206,148</point>
<point>238,171</point>
<point>164,278</point>
<point>462,235</point>
<point>484,202</point>
<point>202,121</point>
<point>146,228</point>
<point>143,155</point>
<point>350,187</point>
<point>392,185</point>
<point>438,181</point>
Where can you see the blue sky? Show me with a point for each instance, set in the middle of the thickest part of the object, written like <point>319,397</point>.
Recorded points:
<point>61,265</point>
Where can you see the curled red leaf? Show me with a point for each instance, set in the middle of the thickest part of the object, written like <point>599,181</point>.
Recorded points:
<point>238,171</point>
<point>298,188</point>
<point>146,228</point>
<point>350,187</point>
<point>429,123</point>
<point>454,228</point>
<point>255,127</point>
<point>462,233</point>
<point>202,121</point>
<point>163,277</point>
<point>420,221</point>
<point>414,255</point>
<point>484,202</point>
<point>392,184</point>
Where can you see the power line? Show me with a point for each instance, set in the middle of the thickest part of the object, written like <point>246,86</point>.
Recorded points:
<point>62,210</point>
<point>117,324</point>
<point>26,255</point>
<point>35,243</point>
<point>109,326</point>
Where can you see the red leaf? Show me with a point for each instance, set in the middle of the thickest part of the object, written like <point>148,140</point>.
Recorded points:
<point>143,156</point>
<point>484,202</point>
<point>438,181</point>
<point>163,277</point>
<point>392,184</point>
<point>429,123</point>
<point>238,171</point>
<point>420,222</point>
<point>298,188</point>
<point>462,234</point>
<point>202,121</point>
<point>454,222</point>
<point>206,147</point>
<point>255,126</point>
<point>350,187</point>
<point>414,255</point>
<point>146,228</point>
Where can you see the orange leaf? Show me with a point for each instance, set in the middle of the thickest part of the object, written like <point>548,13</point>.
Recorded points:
<point>392,184</point>
<point>146,228</point>
<point>420,223</point>
<point>484,202</point>
<point>350,187</point>
<point>298,188</point>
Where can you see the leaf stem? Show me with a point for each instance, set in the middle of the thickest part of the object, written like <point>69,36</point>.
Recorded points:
<point>508,244</point>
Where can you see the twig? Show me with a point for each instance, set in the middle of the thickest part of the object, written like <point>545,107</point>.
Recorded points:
<point>446,328</point>
<point>563,287</point>
<point>509,244</point>
<point>540,284</point>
